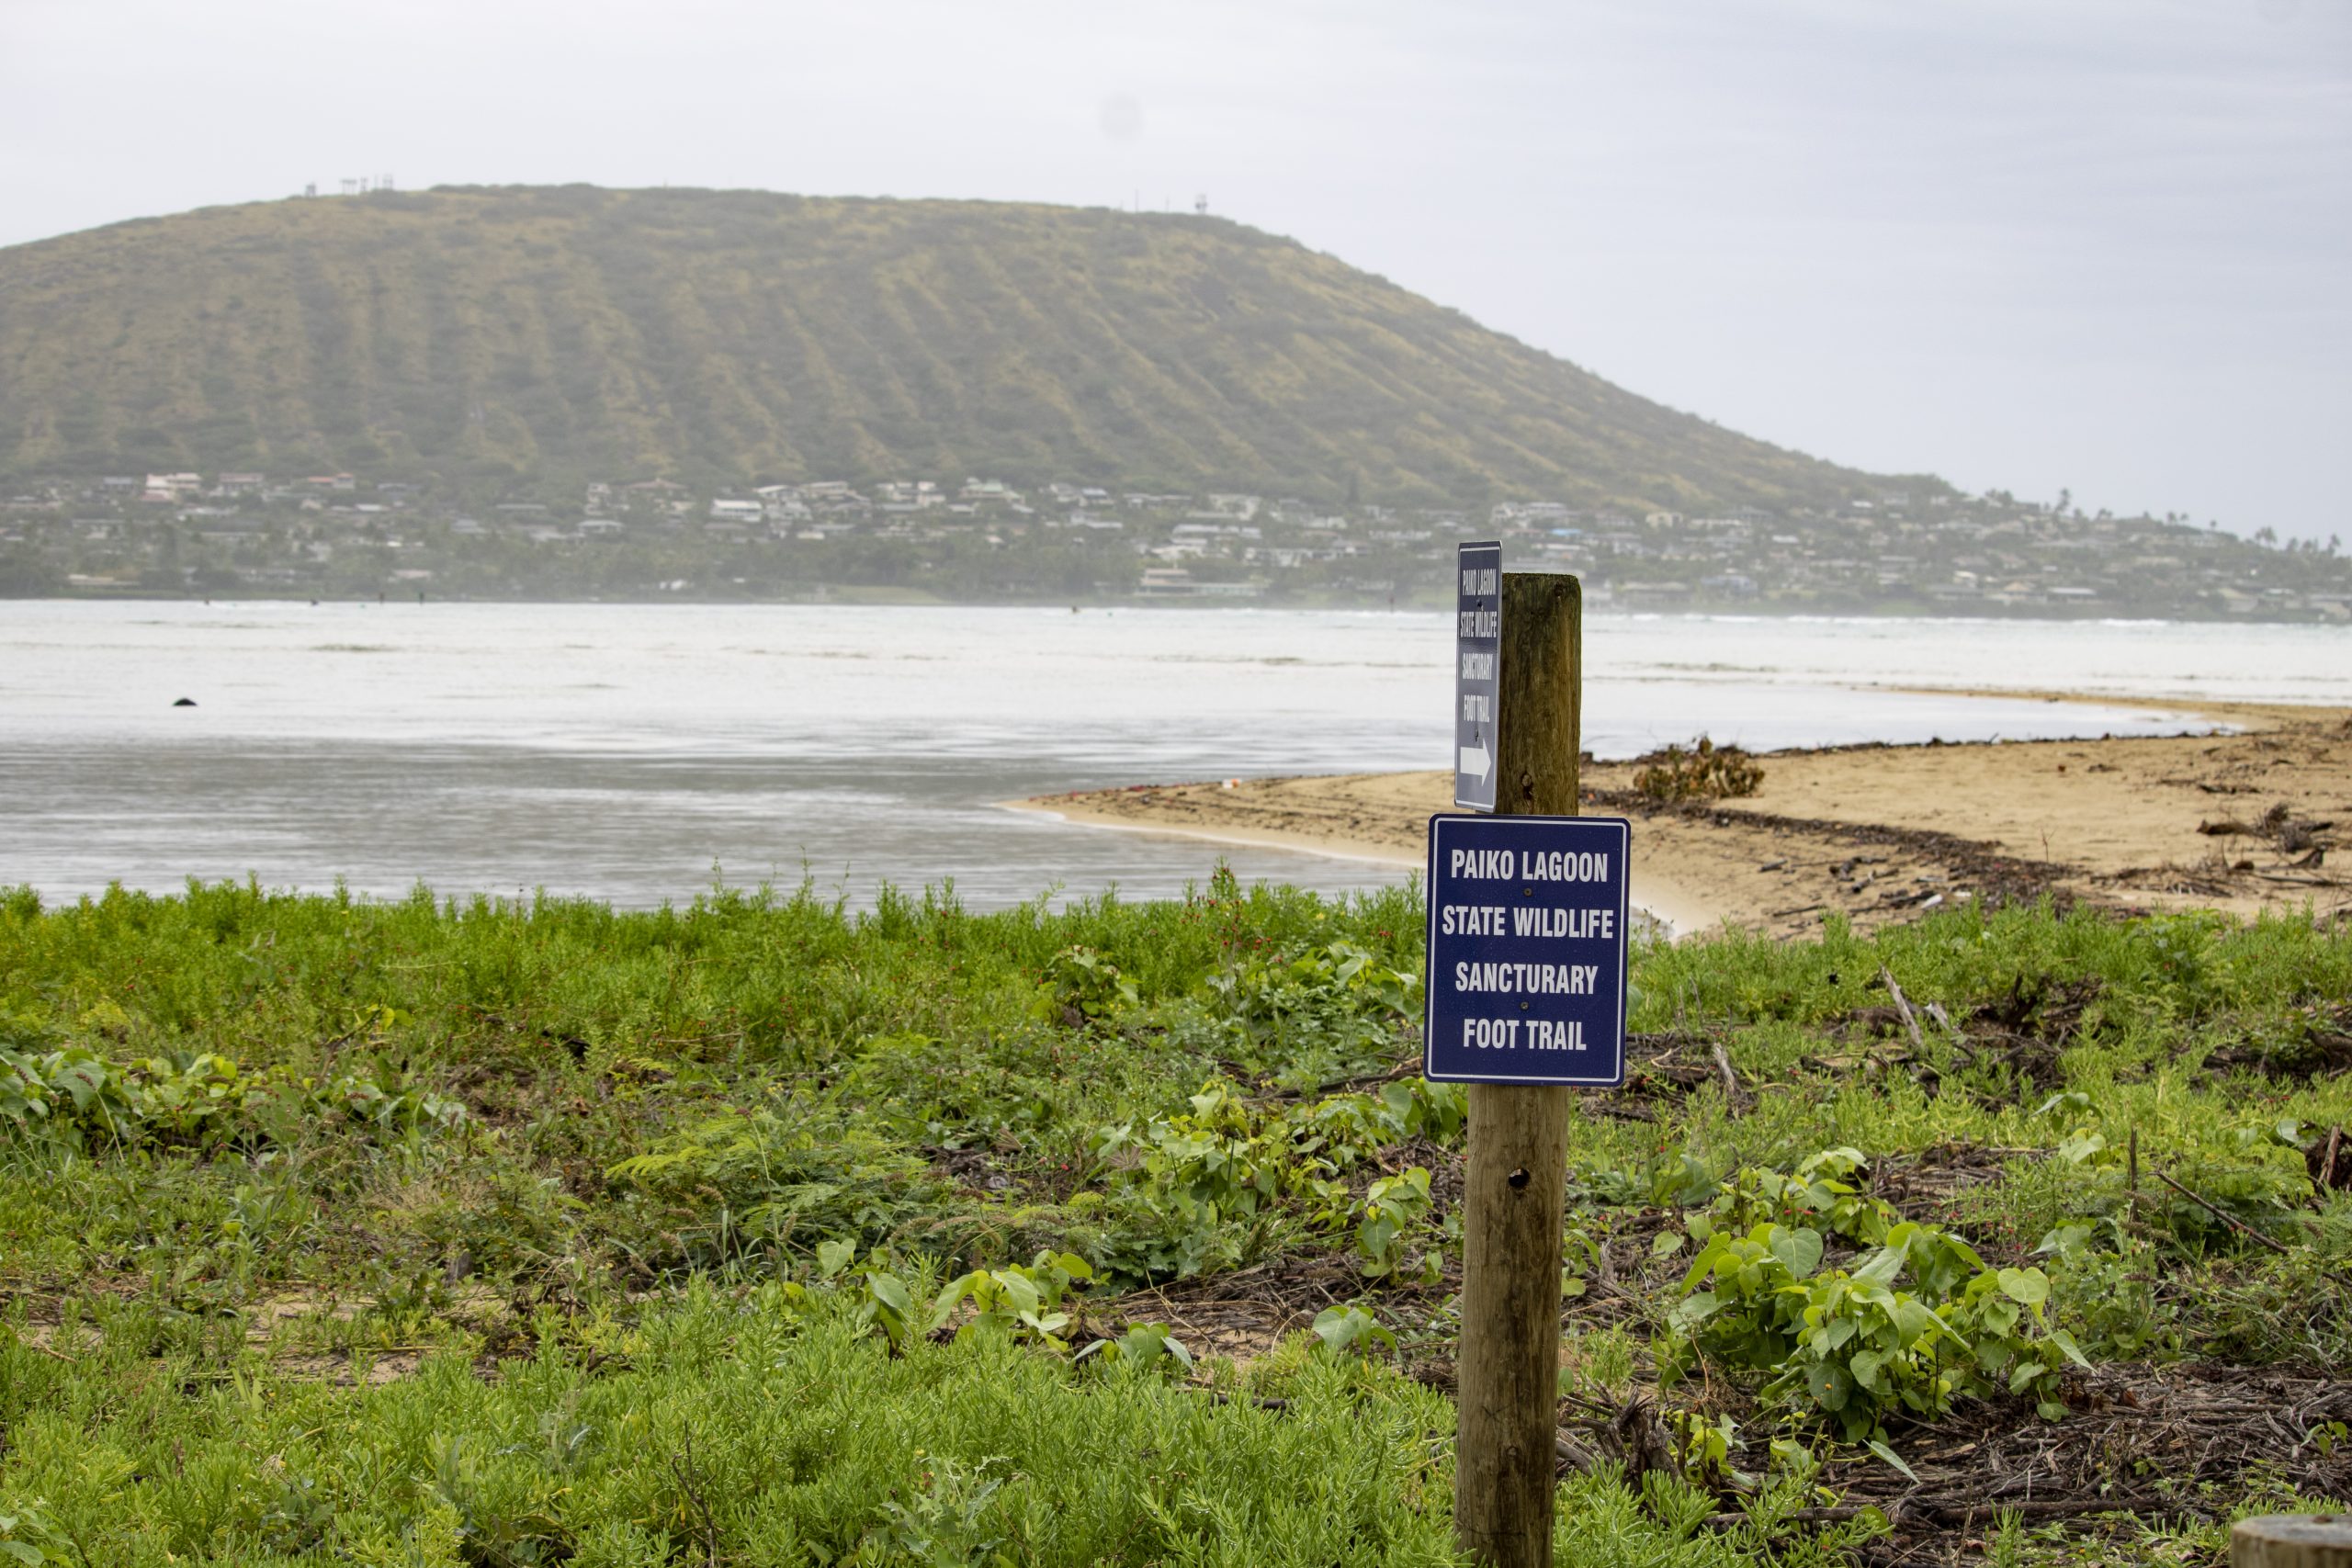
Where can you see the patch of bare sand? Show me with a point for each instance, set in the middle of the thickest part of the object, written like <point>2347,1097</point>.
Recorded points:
<point>1881,833</point>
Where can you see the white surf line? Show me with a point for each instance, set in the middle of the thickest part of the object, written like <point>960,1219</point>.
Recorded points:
<point>2200,713</point>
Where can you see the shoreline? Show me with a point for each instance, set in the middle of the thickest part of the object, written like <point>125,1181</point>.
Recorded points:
<point>850,596</point>
<point>2238,815</point>
<point>1678,908</point>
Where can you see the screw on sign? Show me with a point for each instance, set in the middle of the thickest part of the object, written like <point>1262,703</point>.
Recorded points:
<point>2293,1541</point>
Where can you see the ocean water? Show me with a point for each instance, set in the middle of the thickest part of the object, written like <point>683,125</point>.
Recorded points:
<point>639,753</point>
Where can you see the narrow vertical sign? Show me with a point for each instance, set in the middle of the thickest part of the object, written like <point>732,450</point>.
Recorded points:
<point>1477,660</point>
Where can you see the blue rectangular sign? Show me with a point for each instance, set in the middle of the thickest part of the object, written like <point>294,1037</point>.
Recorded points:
<point>1477,669</point>
<point>1527,950</point>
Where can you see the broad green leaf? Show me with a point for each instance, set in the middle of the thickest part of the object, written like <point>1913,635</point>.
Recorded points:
<point>1798,1250</point>
<point>1884,1264</point>
<point>1018,1290</point>
<point>891,1293</point>
<point>1695,1310</point>
<point>1894,1458</point>
<point>1336,1325</point>
<point>2062,1240</point>
<point>1702,1266</point>
<point>2081,1147</point>
<point>1843,1159</point>
<point>2030,1286</point>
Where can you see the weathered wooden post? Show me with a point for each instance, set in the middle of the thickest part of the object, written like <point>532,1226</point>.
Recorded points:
<point>2293,1541</point>
<point>1508,1369</point>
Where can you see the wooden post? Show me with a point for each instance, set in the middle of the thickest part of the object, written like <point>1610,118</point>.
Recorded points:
<point>2293,1541</point>
<point>1507,1373</point>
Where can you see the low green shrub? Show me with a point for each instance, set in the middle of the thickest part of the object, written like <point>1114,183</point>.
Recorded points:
<point>1188,1179</point>
<point>202,1097</point>
<point>1848,1342</point>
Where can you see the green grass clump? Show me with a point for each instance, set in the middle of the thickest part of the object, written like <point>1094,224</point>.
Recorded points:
<point>762,1427</point>
<point>740,1424</point>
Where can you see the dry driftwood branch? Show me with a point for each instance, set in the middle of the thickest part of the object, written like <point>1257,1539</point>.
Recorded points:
<point>1723,1065</point>
<point>1903,1006</point>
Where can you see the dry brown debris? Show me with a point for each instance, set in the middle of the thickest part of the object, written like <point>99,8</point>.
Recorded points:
<point>2137,1438</point>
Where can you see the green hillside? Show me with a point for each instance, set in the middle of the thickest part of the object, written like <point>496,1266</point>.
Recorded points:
<point>726,337</point>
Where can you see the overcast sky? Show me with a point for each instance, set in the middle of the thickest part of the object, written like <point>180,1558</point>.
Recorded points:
<point>2023,244</point>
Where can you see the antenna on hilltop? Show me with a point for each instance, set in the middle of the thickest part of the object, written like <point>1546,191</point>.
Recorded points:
<point>1201,204</point>
<point>383,182</point>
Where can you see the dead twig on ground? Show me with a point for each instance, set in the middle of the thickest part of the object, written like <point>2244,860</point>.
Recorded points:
<point>2224,1215</point>
<point>2132,1176</point>
<point>1723,1065</point>
<point>1964,1509</point>
<point>681,1465</point>
<point>1903,1006</point>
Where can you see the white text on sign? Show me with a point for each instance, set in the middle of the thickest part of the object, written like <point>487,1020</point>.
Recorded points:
<point>1528,979</point>
<point>1503,865</point>
<point>1503,1034</point>
<point>1487,919</point>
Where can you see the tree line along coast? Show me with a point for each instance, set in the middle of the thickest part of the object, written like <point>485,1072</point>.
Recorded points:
<point>979,539</point>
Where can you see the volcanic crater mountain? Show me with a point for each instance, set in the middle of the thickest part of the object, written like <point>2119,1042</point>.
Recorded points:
<point>721,338</point>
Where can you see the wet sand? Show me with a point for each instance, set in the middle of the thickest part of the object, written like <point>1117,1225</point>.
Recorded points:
<point>1882,833</point>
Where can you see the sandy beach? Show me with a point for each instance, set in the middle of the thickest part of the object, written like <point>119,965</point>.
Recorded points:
<point>2241,814</point>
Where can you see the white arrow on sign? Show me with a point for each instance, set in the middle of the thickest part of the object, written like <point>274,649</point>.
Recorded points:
<point>1475,762</point>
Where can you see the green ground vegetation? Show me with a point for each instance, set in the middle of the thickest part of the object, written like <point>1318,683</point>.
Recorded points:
<point>761,1231</point>
<point>514,334</point>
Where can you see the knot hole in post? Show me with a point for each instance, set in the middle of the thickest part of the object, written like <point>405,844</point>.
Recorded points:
<point>1517,1179</point>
